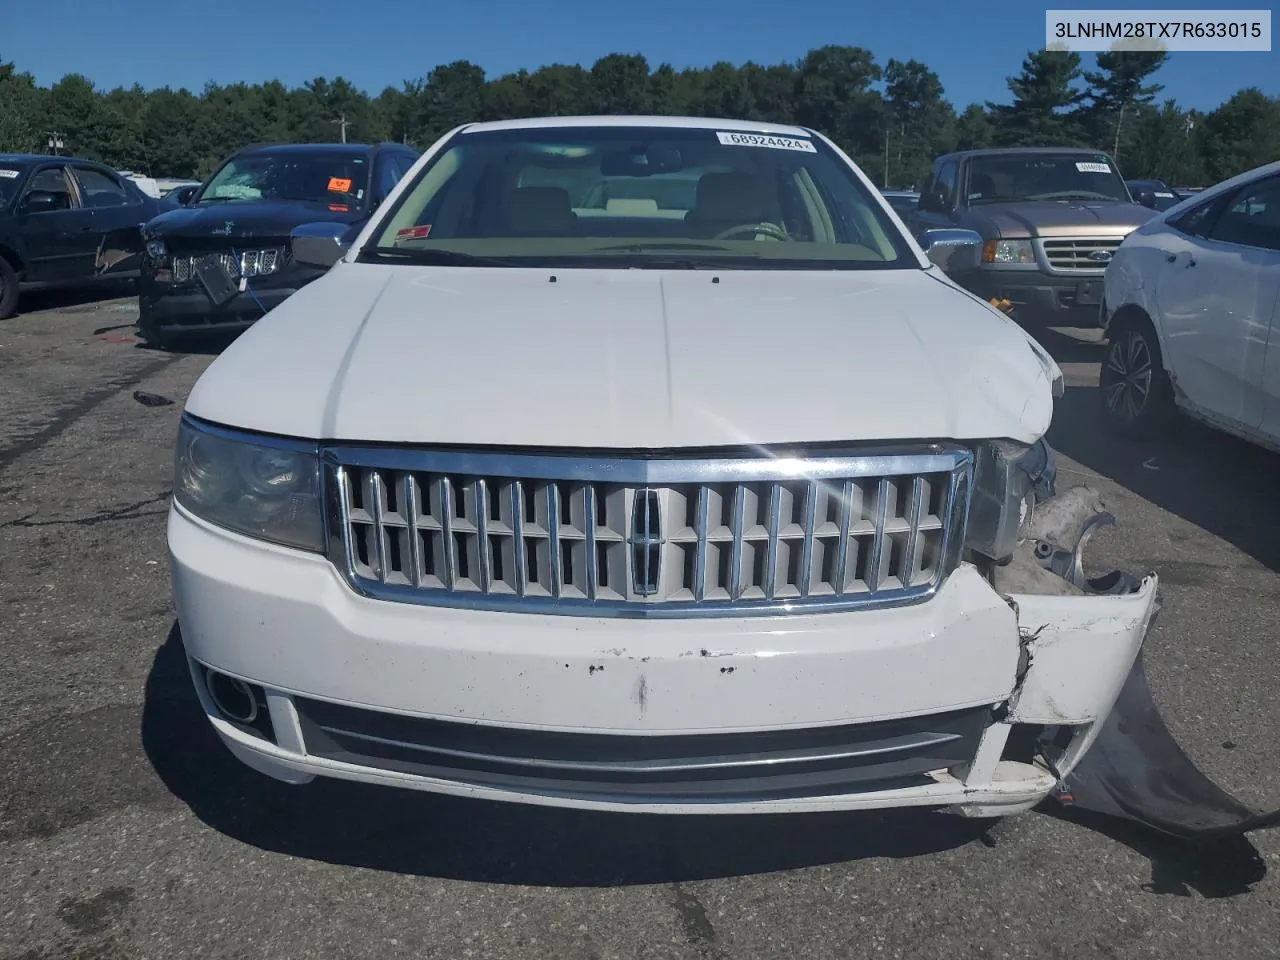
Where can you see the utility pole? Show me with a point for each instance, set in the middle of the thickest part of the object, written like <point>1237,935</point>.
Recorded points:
<point>887,128</point>
<point>55,142</point>
<point>342,122</point>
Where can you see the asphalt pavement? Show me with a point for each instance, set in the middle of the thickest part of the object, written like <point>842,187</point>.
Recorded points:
<point>128,831</point>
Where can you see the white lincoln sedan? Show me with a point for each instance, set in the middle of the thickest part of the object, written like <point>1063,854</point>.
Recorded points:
<point>648,464</point>
<point>1192,314</point>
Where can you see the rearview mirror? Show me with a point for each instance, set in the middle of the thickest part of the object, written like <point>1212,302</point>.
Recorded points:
<point>44,201</point>
<point>952,250</point>
<point>641,161</point>
<point>319,244</point>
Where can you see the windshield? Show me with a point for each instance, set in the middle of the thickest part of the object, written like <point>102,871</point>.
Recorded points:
<point>338,179</point>
<point>9,177</point>
<point>1044,176</point>
<point>662,197</point>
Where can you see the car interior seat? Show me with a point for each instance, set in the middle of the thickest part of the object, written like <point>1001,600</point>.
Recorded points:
<point>724,200</point>
<point>539,212</point>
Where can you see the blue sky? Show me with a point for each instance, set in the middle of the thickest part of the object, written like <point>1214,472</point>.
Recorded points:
<point>974,46</point>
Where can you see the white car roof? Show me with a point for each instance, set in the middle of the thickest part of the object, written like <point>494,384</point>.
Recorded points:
<point>689,123</point>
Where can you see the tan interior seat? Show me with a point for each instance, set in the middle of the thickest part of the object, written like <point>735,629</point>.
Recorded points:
<point>539,212</point>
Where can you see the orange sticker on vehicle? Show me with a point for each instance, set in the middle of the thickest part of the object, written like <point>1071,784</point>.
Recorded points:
<point>339,185</point>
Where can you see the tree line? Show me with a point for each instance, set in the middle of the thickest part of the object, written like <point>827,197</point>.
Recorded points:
<point>893,119</point>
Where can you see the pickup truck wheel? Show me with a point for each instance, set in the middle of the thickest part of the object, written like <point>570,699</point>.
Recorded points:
<point>8,289</point>
<point>1137,398</point>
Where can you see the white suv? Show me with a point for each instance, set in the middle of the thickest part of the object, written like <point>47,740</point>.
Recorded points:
<point>1192,313</point>
<point>723,499</point>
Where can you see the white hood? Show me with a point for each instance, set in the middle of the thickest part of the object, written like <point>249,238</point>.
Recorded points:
<point>641,359</point>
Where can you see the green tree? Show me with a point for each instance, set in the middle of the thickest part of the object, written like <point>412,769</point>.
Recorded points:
<point>1042,96</point>
<point>834,96</point>
<point>1116,88</point>
<point>1241,134</point>
<point>973,128</point>
<point>1165,146</point>
<point>620,84</point>
<point>921,122</point>
<point>722,91</point>
<point>773,91</point>
<point>452,95</point>
<point>19,107</point>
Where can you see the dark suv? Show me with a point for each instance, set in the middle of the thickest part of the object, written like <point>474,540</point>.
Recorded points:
<point>222,260</point>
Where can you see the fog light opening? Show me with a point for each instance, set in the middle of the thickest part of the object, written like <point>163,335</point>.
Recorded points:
<point>234,698</point>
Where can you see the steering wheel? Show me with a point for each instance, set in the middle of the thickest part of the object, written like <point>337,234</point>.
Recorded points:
<point>753,230</point>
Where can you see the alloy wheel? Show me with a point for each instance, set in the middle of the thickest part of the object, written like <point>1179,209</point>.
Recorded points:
<point>1128,376</point>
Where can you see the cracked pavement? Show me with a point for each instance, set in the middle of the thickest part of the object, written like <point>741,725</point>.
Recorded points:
<point>127,831</point>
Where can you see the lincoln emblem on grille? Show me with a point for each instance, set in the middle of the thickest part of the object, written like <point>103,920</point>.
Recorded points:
<point>646,541</point>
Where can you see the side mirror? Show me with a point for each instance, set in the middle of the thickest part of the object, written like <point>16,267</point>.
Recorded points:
<point>319,244</point>
<point>952,250</point>
<point>43,201</point>
<point>185,195</point>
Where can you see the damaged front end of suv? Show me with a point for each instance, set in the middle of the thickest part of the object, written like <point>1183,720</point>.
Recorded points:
<point>1108,747</point>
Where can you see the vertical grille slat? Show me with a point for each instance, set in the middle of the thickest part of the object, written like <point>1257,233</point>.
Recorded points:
<point>718,542</point>
<point>771,557</point>
<point>483,548</point>
<point>700,544</point>
<point>907,568</point>
<point>589,535</point>
<point>373,503</point>
<point>735,554</point>
<point>875,561</point>
<point>556,571</point>
<point>412,511</point>
<point>521,573</point>
<point>846,522</point>
<point>449,575</point>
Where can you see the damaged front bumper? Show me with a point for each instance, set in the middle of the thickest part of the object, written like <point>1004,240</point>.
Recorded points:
<point>1124,763</point>
<point>986,700</point>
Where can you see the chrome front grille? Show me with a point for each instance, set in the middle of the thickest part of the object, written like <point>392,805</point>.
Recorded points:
<point>1074,256</point>
<point>243,263</point>
<point>641,537</point>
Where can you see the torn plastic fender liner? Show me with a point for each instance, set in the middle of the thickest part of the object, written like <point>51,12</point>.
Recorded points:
<point>1136,770</point>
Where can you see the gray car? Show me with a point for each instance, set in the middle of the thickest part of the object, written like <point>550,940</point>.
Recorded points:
<point>1043,224</point>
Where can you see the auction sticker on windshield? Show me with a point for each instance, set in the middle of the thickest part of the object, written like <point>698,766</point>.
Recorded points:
<point>1093,168</point>
<point>764,140</point>
<point>9,174</point>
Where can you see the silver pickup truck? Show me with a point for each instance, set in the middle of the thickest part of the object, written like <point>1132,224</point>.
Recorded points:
<point>1046,219</point>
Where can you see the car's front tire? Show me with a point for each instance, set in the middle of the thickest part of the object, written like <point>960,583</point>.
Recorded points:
<point>8,289</point>
<point>1137,397</point>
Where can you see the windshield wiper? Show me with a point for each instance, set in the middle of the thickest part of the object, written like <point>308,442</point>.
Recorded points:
<point>436,258</point>
<point>662,245</point>
<point>218,199</point>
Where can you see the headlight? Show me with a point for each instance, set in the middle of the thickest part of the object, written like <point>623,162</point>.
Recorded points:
<point>268,489</point>
<point>156,250</point>
<point>1008,479</point>
<point>1008,251</point>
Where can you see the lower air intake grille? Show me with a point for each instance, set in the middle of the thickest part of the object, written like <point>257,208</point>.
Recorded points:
<point>689,768</point>
<point>642,537</point>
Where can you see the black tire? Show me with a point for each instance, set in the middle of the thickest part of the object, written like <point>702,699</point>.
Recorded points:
<point>8,289</point>
<point>152,337</point>
<point>1137,397</point>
